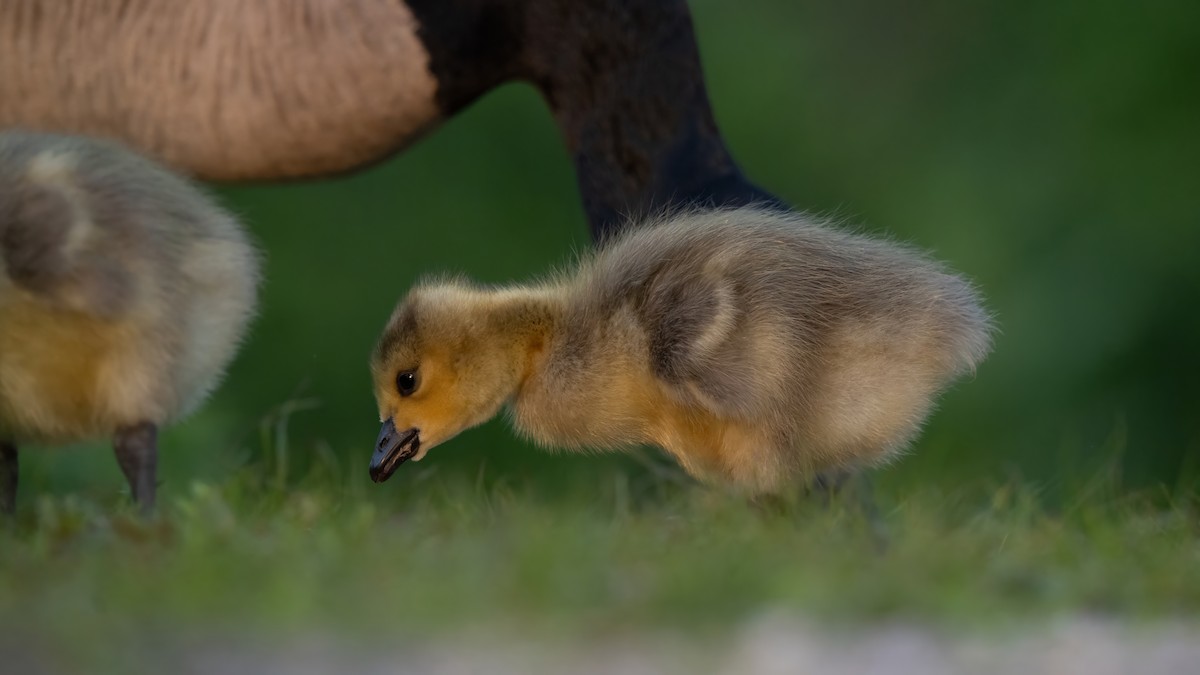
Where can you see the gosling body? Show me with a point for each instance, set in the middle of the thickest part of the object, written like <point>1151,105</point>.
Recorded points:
<point>124,293</point>
<point>756,347</point>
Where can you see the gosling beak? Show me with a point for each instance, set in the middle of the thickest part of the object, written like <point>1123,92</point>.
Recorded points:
<point>392,449</point>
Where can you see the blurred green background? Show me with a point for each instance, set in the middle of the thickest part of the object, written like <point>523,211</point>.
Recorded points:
<point>1048,150</point>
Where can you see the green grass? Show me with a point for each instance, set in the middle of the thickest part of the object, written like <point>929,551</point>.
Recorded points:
<point>430,553</point>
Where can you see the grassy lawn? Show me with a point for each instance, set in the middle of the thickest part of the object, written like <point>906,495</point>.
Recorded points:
<point>631,547</point>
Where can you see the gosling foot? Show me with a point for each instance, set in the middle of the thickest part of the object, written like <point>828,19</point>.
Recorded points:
<point>136,448</point>
<point>8,477</point>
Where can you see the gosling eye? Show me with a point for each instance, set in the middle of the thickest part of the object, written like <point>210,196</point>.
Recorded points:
<point>406,382</point>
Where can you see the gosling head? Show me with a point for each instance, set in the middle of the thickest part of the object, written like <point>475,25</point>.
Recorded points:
<point>447,361</point>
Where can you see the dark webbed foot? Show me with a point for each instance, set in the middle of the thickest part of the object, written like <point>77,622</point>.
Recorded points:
<point>137,453</point>
<point>8,477</point>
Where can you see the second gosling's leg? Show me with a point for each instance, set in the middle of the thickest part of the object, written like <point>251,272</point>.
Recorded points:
<point>137,452</point>
<point>8,477</point>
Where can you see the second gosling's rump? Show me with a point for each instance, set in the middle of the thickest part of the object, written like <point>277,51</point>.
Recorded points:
<point>124,292</point>
<point>758,348</point>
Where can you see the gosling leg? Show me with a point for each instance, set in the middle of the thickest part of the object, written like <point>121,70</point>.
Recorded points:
<point>8,477</point>
<point>829,485</point>
<point>857,486</point>
<point>137,452</point>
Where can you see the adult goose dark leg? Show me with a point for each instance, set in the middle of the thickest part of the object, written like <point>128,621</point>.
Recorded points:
<point>624,82</point>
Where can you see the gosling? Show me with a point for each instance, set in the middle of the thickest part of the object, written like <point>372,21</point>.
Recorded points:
<point>124,293</point>
<point>761,349</point>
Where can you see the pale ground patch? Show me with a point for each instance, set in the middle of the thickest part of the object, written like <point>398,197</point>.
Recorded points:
<point>770,645</point>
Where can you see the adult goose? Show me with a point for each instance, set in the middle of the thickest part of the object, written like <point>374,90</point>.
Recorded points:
<point>277,89</point>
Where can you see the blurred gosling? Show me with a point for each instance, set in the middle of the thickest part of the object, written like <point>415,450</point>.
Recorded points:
<point>760,349</point>
<point>124,293</point>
